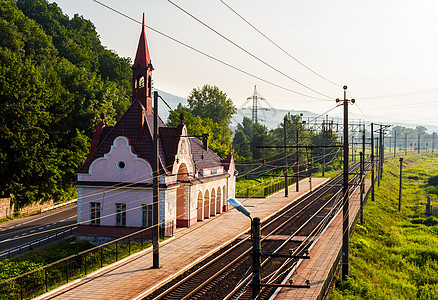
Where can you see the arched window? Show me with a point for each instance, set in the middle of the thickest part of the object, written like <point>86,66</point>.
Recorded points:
<point>139,83</point>
<point>149,86</point>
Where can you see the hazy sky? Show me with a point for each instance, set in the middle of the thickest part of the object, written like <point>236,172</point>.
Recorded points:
<point>376,48</point>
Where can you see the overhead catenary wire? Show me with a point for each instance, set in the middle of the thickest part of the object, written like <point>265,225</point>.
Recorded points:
<point>246,51</point>
<point>276,45</point>
<point>413,93</point>
<point>130,209</point>
<point>210,56</point>
<point>113,214</point>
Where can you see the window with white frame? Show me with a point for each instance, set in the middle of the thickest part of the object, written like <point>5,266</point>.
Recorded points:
<point>95,213</point>
<point>120,214</point>
<point>146,220</point>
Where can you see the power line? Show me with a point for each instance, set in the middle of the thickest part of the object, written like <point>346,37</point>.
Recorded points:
<point>208,55</point>
<point>246,51</point>
<point>275,44</point>
<point>418,104</point>
<point>434,90</point>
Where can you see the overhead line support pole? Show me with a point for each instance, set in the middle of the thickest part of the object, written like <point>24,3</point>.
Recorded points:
<point>382,151</point>
<point>400,187</point>
<point>256,258</point>
<point>372,162</point>
<point>297,185</point>
<point>155,205</point>
<point>363,160</point>
<point>285,158</point>
<point>345,206</point>
<point>361,186</point>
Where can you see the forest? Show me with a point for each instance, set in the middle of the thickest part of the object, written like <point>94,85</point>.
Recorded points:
<point>55,79</point>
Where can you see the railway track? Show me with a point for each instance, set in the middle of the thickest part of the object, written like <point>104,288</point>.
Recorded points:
<point>227,273</point>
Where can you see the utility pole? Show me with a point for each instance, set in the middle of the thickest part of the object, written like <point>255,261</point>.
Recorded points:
<point>378,158</point>
<point>363,160</point>
<point>256,258</point>
<point>395,142</point>
<point>352,148</point>
<point>155,206</point>
<point>400,188</point>
<point>345,207</point>
<point>418,143</point>
<point>361,186</point>
<point>363,142</point>
<point>323,149</point>
<point>406,143</point>
<point>285,158</point>
<point>433,141</point>
<point>382,151</point>
<point>372,162</point>
<point>297,184</point>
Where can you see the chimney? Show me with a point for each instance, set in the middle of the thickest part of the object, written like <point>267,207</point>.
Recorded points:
<point>205,141</point>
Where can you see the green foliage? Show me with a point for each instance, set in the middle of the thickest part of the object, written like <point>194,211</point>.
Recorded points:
<point>55,79</point>
<point>209,111</point>
<point>252,135</point>
<point>393,254</point>
<point>210,102</point>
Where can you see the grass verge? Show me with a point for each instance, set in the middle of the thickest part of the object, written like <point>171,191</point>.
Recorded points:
<point>394,255</point>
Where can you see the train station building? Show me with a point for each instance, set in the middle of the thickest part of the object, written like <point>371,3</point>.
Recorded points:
<point>115,189</point>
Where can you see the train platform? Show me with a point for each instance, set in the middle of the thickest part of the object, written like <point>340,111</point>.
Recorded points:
<point>324,258</point>
<point>133,277</point>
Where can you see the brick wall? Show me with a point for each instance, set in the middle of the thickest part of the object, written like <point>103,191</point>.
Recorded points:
<point>5,208</point>
<point>36,207</point>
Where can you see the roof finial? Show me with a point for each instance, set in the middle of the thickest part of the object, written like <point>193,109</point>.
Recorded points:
<point>142,57</point>
<point>181,117</point>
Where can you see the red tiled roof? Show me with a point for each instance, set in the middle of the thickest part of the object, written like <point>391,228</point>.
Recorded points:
<point>128,126</point>
<point>203,158</point>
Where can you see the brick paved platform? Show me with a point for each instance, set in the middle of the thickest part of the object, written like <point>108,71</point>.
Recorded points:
<point>133,277</point>
<point>323,260</point>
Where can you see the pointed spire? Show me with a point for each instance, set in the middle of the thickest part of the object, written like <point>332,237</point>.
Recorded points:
<point>142,57</point>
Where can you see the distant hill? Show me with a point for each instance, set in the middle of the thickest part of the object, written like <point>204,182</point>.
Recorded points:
<point>274,116</point>
<point>270,118</point>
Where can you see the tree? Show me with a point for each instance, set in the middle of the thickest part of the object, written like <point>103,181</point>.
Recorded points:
<point>256,135</point>
<point>242,146</point>
<point>55,79</point>
<point>208,111</point>
<point>197,126</point>
<point>210,102</point>
<point>420,129</point>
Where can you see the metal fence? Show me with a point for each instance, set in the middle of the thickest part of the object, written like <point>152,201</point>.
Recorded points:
<point>48,277</point>
<point>36,243</point>
<point>273,188</point>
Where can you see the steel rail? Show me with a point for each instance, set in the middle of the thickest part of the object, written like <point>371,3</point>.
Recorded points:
<point>323,190</point>
<point>301,247</point>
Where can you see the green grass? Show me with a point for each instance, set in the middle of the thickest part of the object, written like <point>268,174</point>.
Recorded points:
<point>34,284</point>
<point>255,187</point>
<point>394,255</point>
